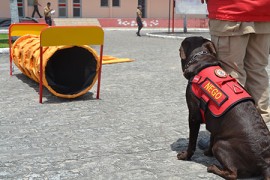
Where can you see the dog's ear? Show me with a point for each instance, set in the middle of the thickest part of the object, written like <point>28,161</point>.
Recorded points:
<point>211,47</point>
<point>182,53</point>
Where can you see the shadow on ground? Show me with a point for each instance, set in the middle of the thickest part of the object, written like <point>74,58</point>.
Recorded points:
<point>182,143</point>
<point>50,98</point>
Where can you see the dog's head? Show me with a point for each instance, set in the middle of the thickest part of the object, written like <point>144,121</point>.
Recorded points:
<point>196,54</point>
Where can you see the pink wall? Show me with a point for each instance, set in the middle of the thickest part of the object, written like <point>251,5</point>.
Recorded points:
<point>127,9</point>
<point>4,9</point>
<point>92,9</point>
<point>157,8</point>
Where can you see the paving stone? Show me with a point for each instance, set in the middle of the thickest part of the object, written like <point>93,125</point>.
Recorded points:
<point>133,132</point>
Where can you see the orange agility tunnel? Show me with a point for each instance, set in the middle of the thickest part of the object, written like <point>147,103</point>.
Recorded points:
<point>68,71</point>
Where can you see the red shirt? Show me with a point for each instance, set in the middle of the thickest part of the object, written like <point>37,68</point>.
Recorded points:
<point>239,10</point>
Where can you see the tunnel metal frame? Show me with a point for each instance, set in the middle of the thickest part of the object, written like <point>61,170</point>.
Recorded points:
<point>57,36</point>
<point>21,29</point>
<point>71,35</point>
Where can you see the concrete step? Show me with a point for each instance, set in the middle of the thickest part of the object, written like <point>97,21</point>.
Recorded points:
<point>76,21</point>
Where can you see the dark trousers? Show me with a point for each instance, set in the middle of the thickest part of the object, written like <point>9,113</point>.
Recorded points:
<point>48,20</point>
<point>140,24</point>
<point>36,10</point>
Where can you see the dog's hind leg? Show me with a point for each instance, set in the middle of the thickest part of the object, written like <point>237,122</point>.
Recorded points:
<point>232,175</point>
<point>209,152</point>
<point>221,151</point>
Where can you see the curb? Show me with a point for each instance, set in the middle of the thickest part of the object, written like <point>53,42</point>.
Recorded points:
<point>179,34</point>
<point>151,34</point>
<point>165,36</point>
<point>3,31</point>
<point>4,50</point>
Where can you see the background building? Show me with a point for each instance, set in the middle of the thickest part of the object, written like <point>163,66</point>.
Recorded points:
<point>93,8</point>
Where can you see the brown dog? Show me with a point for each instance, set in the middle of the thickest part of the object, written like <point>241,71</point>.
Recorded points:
<point>240,139</point>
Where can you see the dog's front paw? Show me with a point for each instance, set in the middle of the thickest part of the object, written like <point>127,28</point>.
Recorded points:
<point>212,168</point>
<point>183,155</point>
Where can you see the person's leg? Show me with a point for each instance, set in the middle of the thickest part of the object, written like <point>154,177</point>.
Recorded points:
<point>257,82</point>
<point>246,58</point>
<point>139,23</point>
<point>39,13</point>
<point>50,21</point>
<point>47,20</point>
<point>139,29</point>
<point>231,53</point>
<point>34,12</point>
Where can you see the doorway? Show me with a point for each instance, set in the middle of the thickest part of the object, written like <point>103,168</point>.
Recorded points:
<point>143,4</point>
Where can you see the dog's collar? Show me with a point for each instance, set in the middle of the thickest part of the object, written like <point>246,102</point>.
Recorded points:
<point>193,58</point>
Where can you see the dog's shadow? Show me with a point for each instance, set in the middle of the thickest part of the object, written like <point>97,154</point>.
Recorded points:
<point>182,143</point>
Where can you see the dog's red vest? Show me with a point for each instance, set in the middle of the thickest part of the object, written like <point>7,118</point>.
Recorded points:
<point>217,90</point>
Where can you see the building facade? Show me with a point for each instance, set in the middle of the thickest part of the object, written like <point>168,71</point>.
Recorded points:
<point>93,8</point>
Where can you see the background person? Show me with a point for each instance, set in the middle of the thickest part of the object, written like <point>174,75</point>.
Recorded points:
<point>36,4</point>
<point>47,14</point>
<point>139,19</point>
<point>240,30</point>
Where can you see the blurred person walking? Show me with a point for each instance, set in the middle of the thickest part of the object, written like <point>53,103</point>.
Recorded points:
<point>139,19</point>
<point>36,4</point>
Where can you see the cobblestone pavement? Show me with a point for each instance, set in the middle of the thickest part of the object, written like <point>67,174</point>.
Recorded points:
<point>133,132</point>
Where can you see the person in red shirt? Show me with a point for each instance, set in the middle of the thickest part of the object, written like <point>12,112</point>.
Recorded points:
<point>240,30</point>
<point>239,10</point>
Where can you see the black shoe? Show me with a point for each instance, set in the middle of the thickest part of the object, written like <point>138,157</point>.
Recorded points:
<point>138,34</point>
<point>204,143</point>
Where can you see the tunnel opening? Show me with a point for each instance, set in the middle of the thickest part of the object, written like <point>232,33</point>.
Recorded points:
<point>71,70</point>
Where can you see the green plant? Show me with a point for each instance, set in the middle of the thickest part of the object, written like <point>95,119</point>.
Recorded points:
<point>4,41</point>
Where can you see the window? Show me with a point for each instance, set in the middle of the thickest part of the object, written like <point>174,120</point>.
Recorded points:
<point>116,3</point>
<point>76,8</point>
<point>104,3</point>
<point>20,8</point>
<point>62,8</point>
